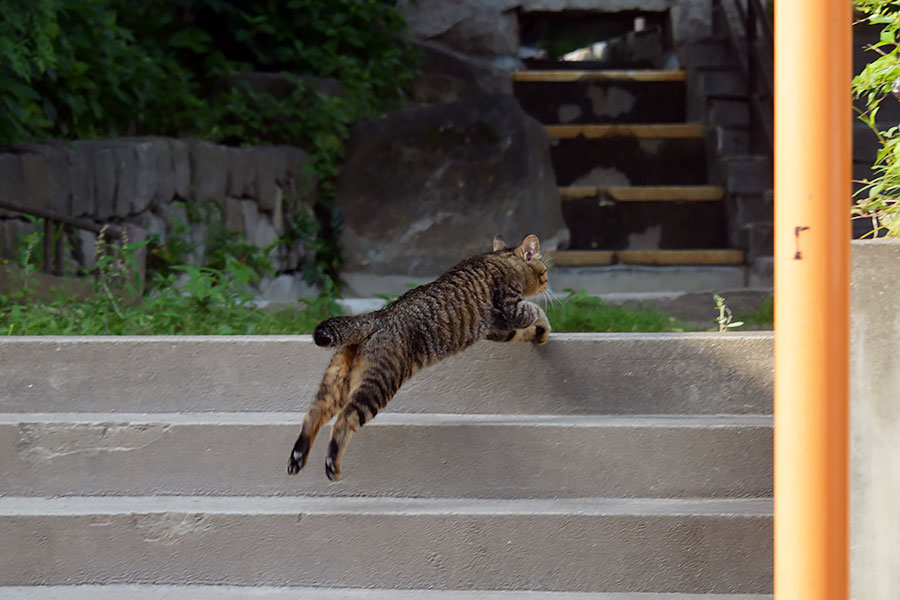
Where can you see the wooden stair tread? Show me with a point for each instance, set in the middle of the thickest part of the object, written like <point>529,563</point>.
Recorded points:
<point>593,258</point>
<point>647,193</point>
<point>564,76</point>
<point>658,131</point>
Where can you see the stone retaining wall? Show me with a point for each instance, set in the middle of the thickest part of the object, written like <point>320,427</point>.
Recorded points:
<point>155,184</point>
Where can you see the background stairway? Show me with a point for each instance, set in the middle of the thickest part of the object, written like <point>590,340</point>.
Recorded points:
<point>663,169</point>
<point>632,171</point>
<point>625,466</point>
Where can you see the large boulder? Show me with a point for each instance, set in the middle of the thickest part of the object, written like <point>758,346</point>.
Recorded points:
<point>478,27</point>
<point>445,75</point>
<point>425,187</point>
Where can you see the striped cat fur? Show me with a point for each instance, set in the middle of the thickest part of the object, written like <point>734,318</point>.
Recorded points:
<point>483,297</point>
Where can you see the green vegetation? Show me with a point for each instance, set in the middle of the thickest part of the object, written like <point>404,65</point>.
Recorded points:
<point>187,300</point>
<point>764,316</point>
<point>580,312</point>
<point>95,68</point>
<point>878,199</point>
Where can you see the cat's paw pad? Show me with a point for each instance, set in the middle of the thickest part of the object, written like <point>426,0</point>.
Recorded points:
<point>298,456</point>
<point>541,334</point>
<point>332,472</point>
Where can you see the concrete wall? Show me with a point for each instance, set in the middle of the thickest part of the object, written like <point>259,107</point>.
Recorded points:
<point>875,421</point>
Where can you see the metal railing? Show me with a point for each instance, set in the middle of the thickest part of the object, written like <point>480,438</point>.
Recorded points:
<point>55,227</point>
<point>752,40</point>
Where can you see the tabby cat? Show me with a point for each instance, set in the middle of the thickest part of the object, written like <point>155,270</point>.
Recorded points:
<point>481,297</point>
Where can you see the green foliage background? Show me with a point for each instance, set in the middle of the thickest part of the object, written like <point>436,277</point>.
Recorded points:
<point>95,68</point>
<point>878,198</point>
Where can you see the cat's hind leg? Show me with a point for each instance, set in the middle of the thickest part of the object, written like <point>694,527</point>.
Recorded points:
<point>331,397</point>
<point>377,387</point>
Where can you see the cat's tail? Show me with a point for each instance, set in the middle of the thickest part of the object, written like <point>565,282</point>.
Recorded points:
<point>338,331</point>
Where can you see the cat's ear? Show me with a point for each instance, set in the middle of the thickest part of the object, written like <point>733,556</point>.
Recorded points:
<point>530,247</point>
<point>499,244</point>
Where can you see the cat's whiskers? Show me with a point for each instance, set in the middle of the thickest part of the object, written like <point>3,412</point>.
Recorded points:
<point>551,296</point>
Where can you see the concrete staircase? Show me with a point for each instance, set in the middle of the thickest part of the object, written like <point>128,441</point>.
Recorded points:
<point>609,466</point>
<point>659,187</point>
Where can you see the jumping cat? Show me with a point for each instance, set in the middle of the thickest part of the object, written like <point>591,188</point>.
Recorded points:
<point>481,297</point>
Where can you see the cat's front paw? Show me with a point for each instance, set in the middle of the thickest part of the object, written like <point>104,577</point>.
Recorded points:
<point>541,333</point>
<point>299,455</point>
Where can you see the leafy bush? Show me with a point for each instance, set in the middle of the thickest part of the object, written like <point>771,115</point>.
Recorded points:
<point>92,68</point>
<point>187,301</point>
<point>878,198</point>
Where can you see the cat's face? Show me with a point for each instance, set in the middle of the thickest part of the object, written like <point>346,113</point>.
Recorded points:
<point>527,261</point>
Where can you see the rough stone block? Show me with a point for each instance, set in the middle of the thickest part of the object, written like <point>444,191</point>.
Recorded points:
<point>748,174</point>
<point>12,183</point>
<point>729,113</point>
<point>760,240</point>
<point>265,234</point>
<point>103,162</point>
<point>271,167</point>
<point>181,168</point>
<point>729,141</point>
<point>154,225</point>
<point>299,180</point>
<point>147,174</point>
<point>85,243</point>
<point>234,218</point>
<point>285,288</point>
<point>743,210</point>
<point>175,216</point>
<point>165,180</point>
<point>126,160</point>
<point>12,238</point>
<point>722,83</point>
<point>209,172</point>
<point>81,181</point>
<point>250,214</point>
<point>241,172</point>
<point>45,172</point>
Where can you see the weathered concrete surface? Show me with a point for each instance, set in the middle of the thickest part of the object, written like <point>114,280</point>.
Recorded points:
<point>720,546</point>
<point>229,592</point>
<point>479,456</point>
<point>875,421</point>
<point>572,374</point>
<point>598,281</point>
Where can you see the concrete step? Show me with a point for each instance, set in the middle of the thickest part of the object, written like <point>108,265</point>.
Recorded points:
<point>585,258</point>
<point>646,193</point>
<point>638,279</point>
<point>601,223</point>
<point>592,544</point>
<point>232,592</point>
<point>419,455</point>
<point>573,374</point>
<point>583,97</point>
<point>628,161</point>
<point>628,130</point>
<point>598,75</point>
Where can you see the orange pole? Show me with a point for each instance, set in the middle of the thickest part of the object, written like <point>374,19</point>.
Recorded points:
<point>812,273</point>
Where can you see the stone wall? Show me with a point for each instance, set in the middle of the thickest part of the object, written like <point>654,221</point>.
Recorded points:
<point>160,185</point>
